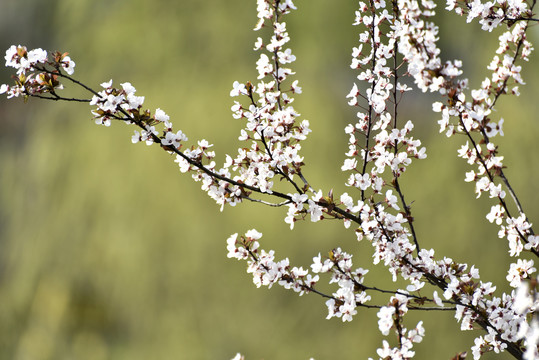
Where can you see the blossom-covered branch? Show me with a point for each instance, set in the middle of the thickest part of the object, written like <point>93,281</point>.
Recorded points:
<point>397,47</point>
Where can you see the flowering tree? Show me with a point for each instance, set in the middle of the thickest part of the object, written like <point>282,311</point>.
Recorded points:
<point>397,53</point>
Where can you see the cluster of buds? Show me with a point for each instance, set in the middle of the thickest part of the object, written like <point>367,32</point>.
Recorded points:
<point>491,14</point>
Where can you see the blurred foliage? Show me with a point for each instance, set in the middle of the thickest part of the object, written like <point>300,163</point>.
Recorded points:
<point>109,253</point>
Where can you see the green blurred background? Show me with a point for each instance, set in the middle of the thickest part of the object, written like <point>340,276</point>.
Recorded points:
<point>108,252</point>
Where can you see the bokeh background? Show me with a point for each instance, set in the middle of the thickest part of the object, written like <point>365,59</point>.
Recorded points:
<point>108,252</point>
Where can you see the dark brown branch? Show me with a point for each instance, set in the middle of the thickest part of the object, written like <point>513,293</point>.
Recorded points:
<point>491,179</point>
<point>396,65</point>
<point>58,98</point>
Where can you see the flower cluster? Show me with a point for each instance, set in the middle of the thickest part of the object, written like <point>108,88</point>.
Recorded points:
<point>112,103</point>
<point>122,104</point>
<point>267,272</point>
<point>474,117</point>
<point>492,13</point>
<point>36,73</point>
<point>393,148</point>
<point>390,316</point>
<point>351,292</point>
<point>271,124</point>
<point>526,301</point>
